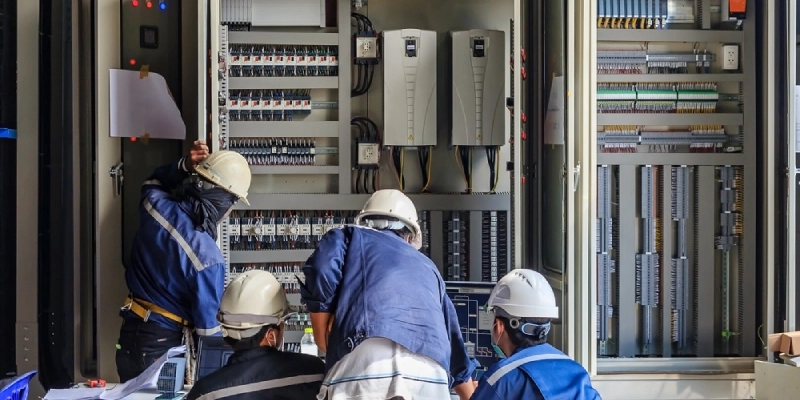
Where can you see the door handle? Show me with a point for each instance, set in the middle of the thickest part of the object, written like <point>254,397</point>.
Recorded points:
<point>116,174</point>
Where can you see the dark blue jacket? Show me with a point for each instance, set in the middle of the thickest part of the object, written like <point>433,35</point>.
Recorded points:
<point>536,373</point>
<point>377,285</point>
<point>173,265</point>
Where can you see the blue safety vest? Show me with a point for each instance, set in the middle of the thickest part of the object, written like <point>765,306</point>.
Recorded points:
<point>173,265</point>
<point>539,372</point>
<point>377,285</point>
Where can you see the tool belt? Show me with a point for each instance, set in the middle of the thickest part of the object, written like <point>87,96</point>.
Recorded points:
<point>143,309</point>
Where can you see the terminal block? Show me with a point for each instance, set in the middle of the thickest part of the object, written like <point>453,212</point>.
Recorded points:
<point>269,60</point>
<point>268,105</point>
<point>456,235</point>
<point>282,230</point>
<point>276,151</point>
<point>494,260</point>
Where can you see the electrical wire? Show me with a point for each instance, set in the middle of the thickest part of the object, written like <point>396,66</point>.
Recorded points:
<point>494,167</point>
<point>426,165</point>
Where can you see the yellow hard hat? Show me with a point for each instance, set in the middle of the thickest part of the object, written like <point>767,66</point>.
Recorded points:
<point>228,170</point>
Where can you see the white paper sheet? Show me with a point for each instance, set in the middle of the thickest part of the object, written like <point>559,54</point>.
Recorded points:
<point>147,378</point>
<point>141,106</point>
<point>797,119</point>
<point>554,118</point>
<point>74,394</point>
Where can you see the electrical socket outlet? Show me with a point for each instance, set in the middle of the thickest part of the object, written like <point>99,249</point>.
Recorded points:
<point>368,154</point>
<point>366,47</point>
<point>730,60</point>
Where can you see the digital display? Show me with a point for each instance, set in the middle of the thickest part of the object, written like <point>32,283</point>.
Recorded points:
<point>148,37</point>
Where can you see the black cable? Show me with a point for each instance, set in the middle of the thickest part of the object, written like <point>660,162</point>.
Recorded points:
<point>374,180</point>
<point>491,158</point>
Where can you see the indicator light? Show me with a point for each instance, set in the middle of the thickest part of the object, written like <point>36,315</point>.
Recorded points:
<point>132,61</point>
<point>162,6</point>
<point>135,3</point>
<point>149,4</point>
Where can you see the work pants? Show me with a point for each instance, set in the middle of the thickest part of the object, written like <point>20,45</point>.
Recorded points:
<point>141,344</point>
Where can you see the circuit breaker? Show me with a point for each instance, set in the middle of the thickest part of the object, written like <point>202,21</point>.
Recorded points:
<point>409,88</point>
<point>478,88</point>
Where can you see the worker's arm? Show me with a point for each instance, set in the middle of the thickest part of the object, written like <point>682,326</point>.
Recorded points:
<point>485,391</point>
<point>323,273</point>
<point>170,176</point>
<point>461,366</point>
<point>207,287</point>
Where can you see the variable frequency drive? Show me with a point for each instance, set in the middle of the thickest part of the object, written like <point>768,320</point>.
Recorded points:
<point>478,88</point>
<point>409,87</point>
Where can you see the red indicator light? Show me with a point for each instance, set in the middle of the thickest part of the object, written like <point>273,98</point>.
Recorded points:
<point>133,139</point>
<point>132,61</point>
<point>149,4</point>
<point>135,3</point>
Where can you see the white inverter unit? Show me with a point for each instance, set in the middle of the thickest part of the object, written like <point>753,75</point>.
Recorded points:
<point>409,88</point>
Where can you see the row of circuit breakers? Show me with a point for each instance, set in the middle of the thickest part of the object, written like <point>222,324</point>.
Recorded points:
<point>302,230</point>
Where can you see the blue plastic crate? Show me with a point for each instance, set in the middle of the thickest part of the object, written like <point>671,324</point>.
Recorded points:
<point>170,379</point>
<point>18,388</point>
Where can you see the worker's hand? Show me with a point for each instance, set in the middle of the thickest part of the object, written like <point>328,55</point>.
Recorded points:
<point>466,389</point>
<point>197,154</point>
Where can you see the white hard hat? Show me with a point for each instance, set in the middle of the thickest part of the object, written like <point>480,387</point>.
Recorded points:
<point>228,170</point>
<point>393,204</point>
<point>253,300</point>
<point>523,293</point>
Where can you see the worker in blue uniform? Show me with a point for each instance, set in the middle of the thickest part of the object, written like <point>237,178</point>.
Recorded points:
<point>176,273</point>
<point>523,305</point>
<point>379,310</point>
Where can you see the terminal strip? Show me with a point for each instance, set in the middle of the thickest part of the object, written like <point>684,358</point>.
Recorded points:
<point>730,228</point>
<point>628,138</point>
<point>494,245</point>
<point>642,62</point>
<point>456,235</point>
<point>425,228</point>
<point>269,60</point>
<point>648,261</point>
<point>680,264</point>
<point>282,230</point>
<point>605,262</point>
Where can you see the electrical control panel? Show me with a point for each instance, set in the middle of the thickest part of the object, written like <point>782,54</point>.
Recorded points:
<point>409,85</point>
<point>470,300</point>
<point>478,88</point>
<point>300,105</point>
<point>676,141</point>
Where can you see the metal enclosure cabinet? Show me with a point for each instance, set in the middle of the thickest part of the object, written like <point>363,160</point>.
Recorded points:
<point>409,86</point>
<point>150,42</point>
<point>478,80</point>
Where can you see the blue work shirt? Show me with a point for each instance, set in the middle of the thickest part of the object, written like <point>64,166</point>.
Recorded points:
<point>173,265</point>
<point>534,373</point>
<point>377,285</point>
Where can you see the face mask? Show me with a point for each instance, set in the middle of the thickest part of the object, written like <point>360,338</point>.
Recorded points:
<point>495,347</point>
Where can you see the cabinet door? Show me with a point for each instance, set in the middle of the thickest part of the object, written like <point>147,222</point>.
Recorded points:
<point>110,274</point>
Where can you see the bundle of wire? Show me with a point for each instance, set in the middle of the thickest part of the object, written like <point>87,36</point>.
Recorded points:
<point>425,165</point>
<point>464,162</point>
<point>364,68</point>
<point>494,167</point>
<point>367,133</point>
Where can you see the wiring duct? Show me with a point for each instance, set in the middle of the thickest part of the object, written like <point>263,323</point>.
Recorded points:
<point>648,261</point>
<point>364,70</point>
